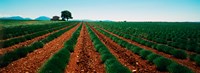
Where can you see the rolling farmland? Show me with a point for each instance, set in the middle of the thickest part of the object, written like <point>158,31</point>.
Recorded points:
<point>99,47</point>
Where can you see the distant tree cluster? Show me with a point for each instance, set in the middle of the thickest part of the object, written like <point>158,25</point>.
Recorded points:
<point>55,18</point>
<point>64,15</point>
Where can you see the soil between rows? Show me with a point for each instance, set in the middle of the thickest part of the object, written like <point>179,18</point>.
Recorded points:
<point>185,62</point>
<point>25,43</point>
<point>85,59</point>
<point>34,60</point>
<point>134,62</point>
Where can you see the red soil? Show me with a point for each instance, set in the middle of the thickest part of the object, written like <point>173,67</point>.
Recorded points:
<point>33,61</point>
<point>84,59</point>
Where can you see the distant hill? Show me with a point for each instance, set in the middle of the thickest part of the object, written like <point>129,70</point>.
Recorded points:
<point>15,18</point>
<point>43,18</point>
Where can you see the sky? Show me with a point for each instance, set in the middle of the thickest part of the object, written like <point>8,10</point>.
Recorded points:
<point>116,10</point>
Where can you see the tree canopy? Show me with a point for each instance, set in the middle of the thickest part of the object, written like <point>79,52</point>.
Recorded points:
<point>66,15</point>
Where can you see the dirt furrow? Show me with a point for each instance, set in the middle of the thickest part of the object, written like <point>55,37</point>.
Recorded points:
<point>25,43</point>
<point>32,62</point>
<point>84,59</point>
<point>126,57</point>
<point>185,62</point>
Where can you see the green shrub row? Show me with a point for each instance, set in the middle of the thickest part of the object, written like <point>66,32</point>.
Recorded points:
<point>159,47</point>
<point>58,62</point>
<point>165,33</point>
<point>162,64</point>
<point>10,32</point>
<point>111,63</point>
<point>193,47</point>
<point>14,41</point>
<point>196,58</point>
<point>9,57</point>
<point>180,54</point>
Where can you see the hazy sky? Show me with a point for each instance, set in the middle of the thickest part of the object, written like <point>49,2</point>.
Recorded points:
<point>131,10</point>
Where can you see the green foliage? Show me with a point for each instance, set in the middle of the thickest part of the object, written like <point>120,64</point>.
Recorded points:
<point>152,57</point>
<point>192,57</point>
<point>7,58</point>
<point>56,34</point>
<point>165,49</point>
<point>70,48</point>
<point>23,51</point>
<point>179,54</point>
<point>122,43</point>
<point>159,33</point>
<point>66,15</point>
<point>162,63</point>
<point>136,50</point>
<point>112,64</point>
<point>177,68</point>
<point>192,48</point>
<point>197,60</point>
<point>144,53</point>
<point>37,26</point>
<point>106,56</point>
<point>57,63</point>
<point>18,53</point>
<point>128,45</point>
<point>28,33</point>
<point>149,44</point>
<point>37,45</point>
<point>127,36</point>
<point>98,46</point>
<point>161,41</point>
<point>197,50</point>
<point>154,46</point>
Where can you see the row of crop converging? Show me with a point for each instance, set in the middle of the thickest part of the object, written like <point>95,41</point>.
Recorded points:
<point>163,33</point>
<point>162,63</point>
<point>180,54</point>
<point>15,31</point>
<point>18,53</point>
<point>58,62</point>
<point>46,29</point>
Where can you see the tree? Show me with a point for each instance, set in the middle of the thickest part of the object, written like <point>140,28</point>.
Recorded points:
<point>66,15</point>
<point>55,18</point>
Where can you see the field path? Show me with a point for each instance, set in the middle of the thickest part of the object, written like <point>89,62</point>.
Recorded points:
<point>26,43</point>
<point>134,62</point>
<point>85,59</point>
<point>32,62</point>
<point>185,62</point>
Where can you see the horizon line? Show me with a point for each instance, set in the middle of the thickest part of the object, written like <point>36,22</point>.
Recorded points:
<point>33,18</point>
